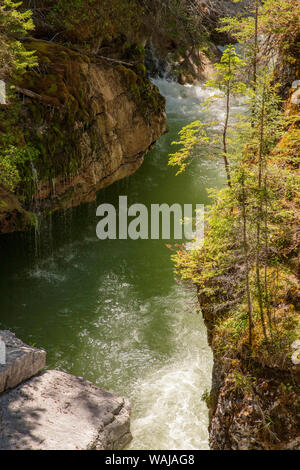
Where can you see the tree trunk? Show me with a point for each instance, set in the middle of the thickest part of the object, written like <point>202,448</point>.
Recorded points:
<point>245,243</point>
<point>255,45</point>
<point>259,215</point>
<point>267,297</point>
<point>226,162</point>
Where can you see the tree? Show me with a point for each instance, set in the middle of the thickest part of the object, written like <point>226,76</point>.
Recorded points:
<point>280,25</point>
<point>14,26</point>
<point>266,28</point>
<point>245,278</point>
<point>89,23</point>
<point>15,59</point>
<point>267,128</point>
<point>234,272</point>
<point>186,23</point>
<point>197,136</point>
<point>245,30</point>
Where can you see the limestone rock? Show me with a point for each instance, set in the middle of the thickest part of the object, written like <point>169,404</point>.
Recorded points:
<point>22,361</point>
<point>253,413</point>
<point>295,98</point>
<point>57,411</point>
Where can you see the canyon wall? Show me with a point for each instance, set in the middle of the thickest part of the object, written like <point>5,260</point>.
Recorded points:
<point>91,123</point>
<point>254,403</point>
<point>87,113</point>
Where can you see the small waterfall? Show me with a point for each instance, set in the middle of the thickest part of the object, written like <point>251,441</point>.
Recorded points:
<point>157,67</point>
<point>36,209</point>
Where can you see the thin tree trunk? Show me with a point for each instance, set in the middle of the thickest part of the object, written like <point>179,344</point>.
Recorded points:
<point>245,243</point>
<point>255,51</point>
<point>259,217</point>
<point>226,162</point>
<point>255,45</point>
<point>267,299</point>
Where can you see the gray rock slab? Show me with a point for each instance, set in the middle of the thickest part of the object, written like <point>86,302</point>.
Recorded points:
<point>295,98</point>
<point>295,84</point>
<point>21,361</point>
<point>58,411</point>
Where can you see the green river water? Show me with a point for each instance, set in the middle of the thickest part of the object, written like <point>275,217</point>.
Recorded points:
<point>111,311</point>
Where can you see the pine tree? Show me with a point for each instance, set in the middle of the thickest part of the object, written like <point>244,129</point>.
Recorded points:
<point>198,137</point>
<point>14,26</point>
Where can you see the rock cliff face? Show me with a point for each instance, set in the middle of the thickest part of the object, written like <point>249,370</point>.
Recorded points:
<point>21,361</point>
<point>91,122</point>
<point>171,56</point>
<point>254,402</point>
<point>254,408</point>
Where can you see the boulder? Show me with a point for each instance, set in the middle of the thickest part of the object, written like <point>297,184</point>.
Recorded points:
<point>22,361</point>
<point>58,411</point>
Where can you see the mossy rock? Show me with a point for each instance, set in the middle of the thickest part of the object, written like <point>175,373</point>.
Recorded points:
<point>145,94</point>
<point>50,120</point>
<point>59,107</point>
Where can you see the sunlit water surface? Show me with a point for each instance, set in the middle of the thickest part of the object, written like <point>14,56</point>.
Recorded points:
<point>111,311</point>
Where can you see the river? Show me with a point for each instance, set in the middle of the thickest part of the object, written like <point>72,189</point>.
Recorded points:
<point>111,311</point>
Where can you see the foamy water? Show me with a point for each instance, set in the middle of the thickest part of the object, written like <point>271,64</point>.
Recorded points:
<point>168,412</point>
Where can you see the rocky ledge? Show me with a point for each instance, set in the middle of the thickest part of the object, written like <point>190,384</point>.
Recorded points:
<point>55,410</point>
<point>87,123</point>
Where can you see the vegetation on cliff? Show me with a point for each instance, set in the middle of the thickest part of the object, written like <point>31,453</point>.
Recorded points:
<point>247,273</point>
<point>67,75</point>
<point>50,121</point>
<point>45,50</point>
<point>15,59</point>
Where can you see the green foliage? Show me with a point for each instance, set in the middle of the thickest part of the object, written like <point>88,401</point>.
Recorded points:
<point>241,27</point>
<point>241,383</point>
<point>11,159</point>
<point>206,397</point>
<point>14,25</point>
<point>192,137</point>
<point>94,21</point>
<point>241,272</point>
<point>236,324</point>
<point>228,70</point>
<point>199,138</point>
<point>280,21</point>
<point>180,21</point>
<point>268,27</point>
